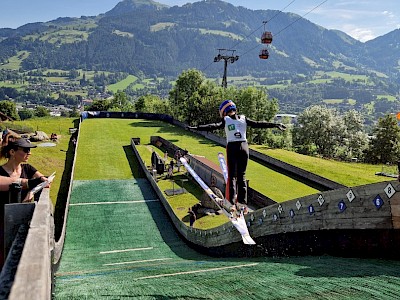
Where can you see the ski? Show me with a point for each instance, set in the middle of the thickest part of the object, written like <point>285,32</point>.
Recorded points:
<point>238,222</point>
<point>224,169</point>
<point>222,164</point>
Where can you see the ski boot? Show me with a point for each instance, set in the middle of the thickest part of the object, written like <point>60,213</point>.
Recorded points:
<point>240,207</point>
<point>233,211</point>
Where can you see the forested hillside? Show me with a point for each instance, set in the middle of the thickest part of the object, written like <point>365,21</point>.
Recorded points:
<point>143,36</point>
<point>307,63</point>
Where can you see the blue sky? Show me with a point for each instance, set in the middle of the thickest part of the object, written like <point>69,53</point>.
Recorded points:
<point>362,19</point>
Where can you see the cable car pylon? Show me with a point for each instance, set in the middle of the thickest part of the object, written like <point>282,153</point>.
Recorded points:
<point>227,58</point>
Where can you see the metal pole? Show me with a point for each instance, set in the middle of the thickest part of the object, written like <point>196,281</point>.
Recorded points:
<point>226,58</point>
<point>224,80</point>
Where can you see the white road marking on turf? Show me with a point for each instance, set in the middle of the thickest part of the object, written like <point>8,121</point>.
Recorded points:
<point>197,271</point>
<point>136,261</point>
<point>114,202</point>
<point>126,250</point>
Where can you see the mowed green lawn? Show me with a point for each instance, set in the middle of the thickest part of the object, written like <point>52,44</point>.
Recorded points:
<point>49,159</point>
<point>107,141</point>
<point>347,173</point>
<point>123,84</point>
<point>109,137</point>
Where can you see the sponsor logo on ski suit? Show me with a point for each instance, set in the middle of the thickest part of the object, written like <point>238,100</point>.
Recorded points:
<point>235,129</point>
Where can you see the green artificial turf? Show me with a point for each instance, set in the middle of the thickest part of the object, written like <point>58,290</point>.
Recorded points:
<point>120,243</point>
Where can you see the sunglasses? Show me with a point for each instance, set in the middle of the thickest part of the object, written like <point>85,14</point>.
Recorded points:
<point>26,150</point>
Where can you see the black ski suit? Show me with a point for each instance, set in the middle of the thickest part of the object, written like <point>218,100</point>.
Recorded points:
<point>237,153</point>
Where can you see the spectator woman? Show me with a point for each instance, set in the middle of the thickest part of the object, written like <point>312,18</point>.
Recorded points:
<point>16,151</point>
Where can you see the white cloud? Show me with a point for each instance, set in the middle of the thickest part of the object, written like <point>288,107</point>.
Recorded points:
<point>388,14</point>
<point>361,34</point>
<point>362,22</point>
<point>390,19</point>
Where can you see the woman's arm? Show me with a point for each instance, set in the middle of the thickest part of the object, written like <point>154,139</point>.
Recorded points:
<point>36,179</point>
<point>39,175</point>
<point>35,176</point>
<point>6,181</point>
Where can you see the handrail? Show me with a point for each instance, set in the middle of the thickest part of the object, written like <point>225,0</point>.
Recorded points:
<point>41,255</point>
<point>34,275</point>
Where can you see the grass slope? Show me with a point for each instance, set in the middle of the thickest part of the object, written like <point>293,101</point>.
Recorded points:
<point>108,142</point>
<point>49,159</point>
<point>346,173</point>
<point>105,132</point>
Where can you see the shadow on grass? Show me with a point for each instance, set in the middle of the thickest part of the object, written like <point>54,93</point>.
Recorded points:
<point>62,196</point>
<point>172,129</point>
<point>163,126</point>
<point>338,267</point>
<point>137,171</point>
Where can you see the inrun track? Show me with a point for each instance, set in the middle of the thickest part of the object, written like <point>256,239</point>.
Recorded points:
<point>120,243</point>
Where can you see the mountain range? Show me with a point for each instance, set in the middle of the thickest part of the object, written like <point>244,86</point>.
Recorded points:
<point>151,40</point>
<point>143,37</point>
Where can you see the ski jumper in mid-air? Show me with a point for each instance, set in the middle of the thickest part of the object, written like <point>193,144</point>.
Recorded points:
<point>237,148</point>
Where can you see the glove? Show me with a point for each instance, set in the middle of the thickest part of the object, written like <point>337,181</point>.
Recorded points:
<point>281,126</point>
<point>34,182</point>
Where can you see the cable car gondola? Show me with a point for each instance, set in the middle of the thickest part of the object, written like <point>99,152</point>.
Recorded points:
<point>266,37</point>
<point>264,54</point>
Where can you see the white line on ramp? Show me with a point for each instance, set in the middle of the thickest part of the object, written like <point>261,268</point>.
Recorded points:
<point>114,202</point>
<point>125,250</point>
<point>136,261</point>
<point>197,271</point>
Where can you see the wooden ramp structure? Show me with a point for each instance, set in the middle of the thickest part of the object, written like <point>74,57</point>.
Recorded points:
<point>362,221</point>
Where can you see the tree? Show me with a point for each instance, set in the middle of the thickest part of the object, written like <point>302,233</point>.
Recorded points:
<point>9,109</point>
<point>319,130</point>
<point>72,114</point>
<point>186,97</point>
<point>254,103</point>
<point>205,103</point>
<point>196,100</point>
<point>25,114</point>
<point>385,144</point>
<point>99,105</point>
<point>152,104</point>
<point>41,111</point>
<point>356,140</point>
<point>120,102</point>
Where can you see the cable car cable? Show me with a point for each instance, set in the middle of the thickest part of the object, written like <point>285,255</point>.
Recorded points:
<point>301,17</point>
<point>274,16</point>
<point>251,33</point>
